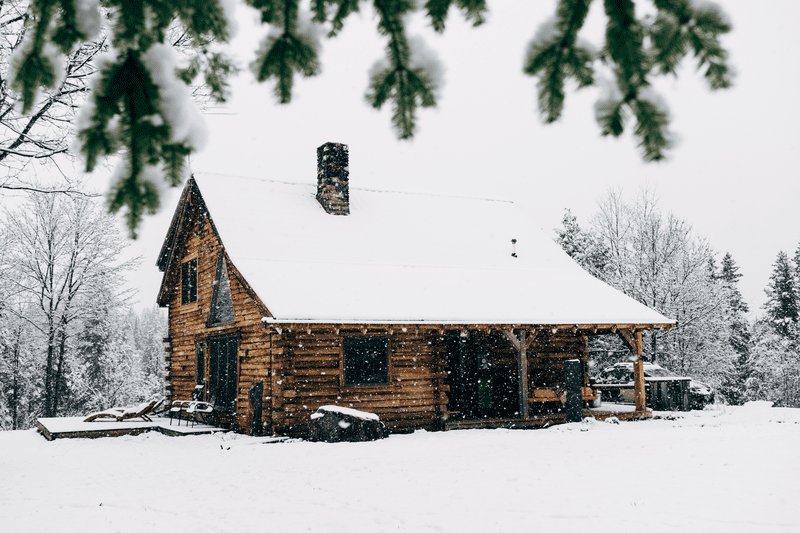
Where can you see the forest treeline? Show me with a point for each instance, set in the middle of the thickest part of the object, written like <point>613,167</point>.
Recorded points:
<point>657,258</point>
<point>70,342</point>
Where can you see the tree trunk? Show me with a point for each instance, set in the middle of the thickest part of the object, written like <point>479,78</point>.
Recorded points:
<point>49,373</point>
<point>15,382</point>
<point>59,374</point>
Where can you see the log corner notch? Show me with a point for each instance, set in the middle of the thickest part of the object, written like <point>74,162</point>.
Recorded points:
<point>633,338</point>
<point>521,339</point>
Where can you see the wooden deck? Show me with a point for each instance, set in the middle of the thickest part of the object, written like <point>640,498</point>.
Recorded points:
<point>76,428</point>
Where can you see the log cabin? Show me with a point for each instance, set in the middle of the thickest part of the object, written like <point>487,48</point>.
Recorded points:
<point>432,311</point>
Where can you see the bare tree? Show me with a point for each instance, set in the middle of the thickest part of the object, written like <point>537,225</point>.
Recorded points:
<point>59,247</point>
<point>657,259</point>
<point>47,129</point>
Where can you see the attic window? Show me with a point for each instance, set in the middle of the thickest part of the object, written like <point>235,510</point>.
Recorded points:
<point>366,360</point>
<point>189,282</point>
<point>221,303</point>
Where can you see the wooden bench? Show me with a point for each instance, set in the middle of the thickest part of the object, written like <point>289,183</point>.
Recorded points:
<point>556,395</point>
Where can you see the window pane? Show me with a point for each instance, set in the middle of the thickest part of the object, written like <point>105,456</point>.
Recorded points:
<point>189,281</point>
<point>221,303</point>
<point>366,360</point>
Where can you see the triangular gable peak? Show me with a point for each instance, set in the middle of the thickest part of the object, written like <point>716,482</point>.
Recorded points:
<point>192,215</point>
<point>169,258</point>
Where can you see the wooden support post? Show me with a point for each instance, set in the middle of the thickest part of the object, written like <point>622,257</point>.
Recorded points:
<point>522,367</point>
<point>638,374</point>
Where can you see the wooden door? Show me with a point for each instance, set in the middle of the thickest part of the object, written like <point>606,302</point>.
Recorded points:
<point>223,363</point>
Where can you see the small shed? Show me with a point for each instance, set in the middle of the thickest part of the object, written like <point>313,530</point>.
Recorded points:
<point>433,311</point>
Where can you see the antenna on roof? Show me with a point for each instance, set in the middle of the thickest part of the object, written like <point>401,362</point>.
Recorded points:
<point>513,247</point>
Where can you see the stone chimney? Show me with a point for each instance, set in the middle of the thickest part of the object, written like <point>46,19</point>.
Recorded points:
<point>333,169</point>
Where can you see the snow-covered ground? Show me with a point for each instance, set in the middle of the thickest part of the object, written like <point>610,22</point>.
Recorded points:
<point>731,470</point>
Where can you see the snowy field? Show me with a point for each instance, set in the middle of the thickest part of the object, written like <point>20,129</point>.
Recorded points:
<point>731,470</point>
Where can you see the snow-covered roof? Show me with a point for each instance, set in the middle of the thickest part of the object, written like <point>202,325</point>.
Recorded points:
<point>404,257</point>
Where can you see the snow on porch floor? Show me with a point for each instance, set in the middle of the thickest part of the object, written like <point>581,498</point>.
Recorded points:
<point>72,427</point>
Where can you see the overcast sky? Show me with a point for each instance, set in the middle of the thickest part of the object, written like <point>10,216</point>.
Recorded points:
<point>734,174</point>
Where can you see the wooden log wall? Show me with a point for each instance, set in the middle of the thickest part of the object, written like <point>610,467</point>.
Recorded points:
<point>548,352</point>
<point>188,324</point>
<point>311,375</point>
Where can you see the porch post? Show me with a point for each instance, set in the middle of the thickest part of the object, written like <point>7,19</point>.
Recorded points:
<point>638,374</point>
<point>522,369</point>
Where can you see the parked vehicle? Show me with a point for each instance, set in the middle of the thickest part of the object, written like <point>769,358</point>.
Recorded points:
<point>700,394</point>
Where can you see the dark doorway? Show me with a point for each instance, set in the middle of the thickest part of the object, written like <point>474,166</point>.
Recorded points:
<point>482,374</point>
<point>222,372</point>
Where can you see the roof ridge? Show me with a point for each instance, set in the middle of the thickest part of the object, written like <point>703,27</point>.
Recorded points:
<point>365,189</point>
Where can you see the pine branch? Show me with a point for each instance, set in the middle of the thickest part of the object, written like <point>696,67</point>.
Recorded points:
<point>554,57</point>
<point>282,55</point>
<point>680,24</point>
<point>474,10</point>
<point>624,42</point>
<point>651,128</point>
<point>407,86</point>
<point>343,9</point>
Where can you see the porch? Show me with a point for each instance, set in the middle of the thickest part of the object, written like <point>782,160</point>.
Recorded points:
<point>73,427</point>
<point>535,376</point>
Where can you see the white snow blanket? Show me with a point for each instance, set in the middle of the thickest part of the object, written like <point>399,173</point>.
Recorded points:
<point>404,257</point>
<point>709,471</point>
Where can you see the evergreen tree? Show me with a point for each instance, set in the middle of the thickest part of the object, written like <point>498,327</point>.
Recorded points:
<point>797,271</point>
<point>782,297</point>
<point>735,384</point>
<point>141,108</point>
<point>581,246</point>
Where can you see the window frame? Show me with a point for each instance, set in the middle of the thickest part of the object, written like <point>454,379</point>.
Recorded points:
<point>346,339</point>
<point>189,282</point>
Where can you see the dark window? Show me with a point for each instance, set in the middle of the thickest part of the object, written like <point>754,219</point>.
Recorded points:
<point>201,363</point>
<point>366,360</point>
<point>189,282</point>
<point>221,303</point>
<point>222,363</point>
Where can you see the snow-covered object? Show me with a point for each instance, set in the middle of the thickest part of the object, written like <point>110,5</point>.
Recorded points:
<point>229,10</point>
<point>610,97</point>
<point>153,175</point>
<point>652,96</point>
<point>186,123</point>
<point>706,6</point>
<point>424,57</point>
<point>345,411</point>
<point>87,17</point>
<point>332,423</point>
<point>545,35</point>
<point>50,53</point>
<point>404,257</point>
